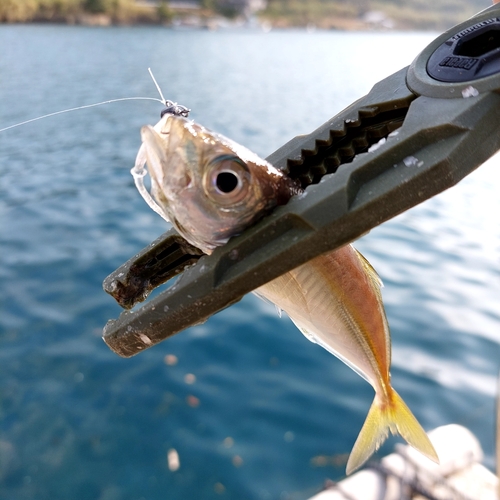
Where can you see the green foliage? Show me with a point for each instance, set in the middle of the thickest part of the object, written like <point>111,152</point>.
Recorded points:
<point>165,13</point>
<point>344,14</point>
<point>67,10</point>
<point>208,4</point>
<point>348,14</point>
<point>95,6</point>
<point>17,10</point>
<point>57,10</point>
<point>227,8</point>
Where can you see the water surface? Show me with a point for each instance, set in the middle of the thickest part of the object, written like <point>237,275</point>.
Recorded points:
<point>78,422</point>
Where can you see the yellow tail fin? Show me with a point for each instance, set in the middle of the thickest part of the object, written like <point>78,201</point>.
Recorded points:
<point>383,417</point>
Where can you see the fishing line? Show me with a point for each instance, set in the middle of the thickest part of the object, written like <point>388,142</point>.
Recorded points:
<point>181,110</point>
<point>138,171</point>
<point>83,107</point>
<point>171,106</point>
<point>163,100</point>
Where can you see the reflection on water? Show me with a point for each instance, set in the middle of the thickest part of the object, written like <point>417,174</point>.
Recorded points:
<point>248,405</point>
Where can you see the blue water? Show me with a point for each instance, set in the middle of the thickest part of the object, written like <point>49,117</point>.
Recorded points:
<point>260,401</point>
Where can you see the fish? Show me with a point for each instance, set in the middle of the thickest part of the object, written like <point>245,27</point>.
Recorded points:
<point>211,189</point>
<point>185,159</point>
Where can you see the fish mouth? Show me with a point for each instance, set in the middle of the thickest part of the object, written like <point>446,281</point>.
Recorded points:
<point>139,172</point>
<point>159,150</point>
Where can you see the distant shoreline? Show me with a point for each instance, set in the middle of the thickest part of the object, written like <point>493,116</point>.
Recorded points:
<point>216,23</point>
<point>138,14</point>
<point>102,20</point>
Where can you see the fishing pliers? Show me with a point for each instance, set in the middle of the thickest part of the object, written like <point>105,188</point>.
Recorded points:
<point>415,134</point>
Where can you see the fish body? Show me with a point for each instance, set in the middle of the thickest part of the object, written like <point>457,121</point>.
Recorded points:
<point>211,188</point>
<point>335,301</point>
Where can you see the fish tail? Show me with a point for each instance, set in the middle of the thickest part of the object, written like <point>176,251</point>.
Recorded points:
<point>388,415</point>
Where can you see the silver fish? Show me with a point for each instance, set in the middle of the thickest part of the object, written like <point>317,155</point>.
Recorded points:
<point>211,189</point>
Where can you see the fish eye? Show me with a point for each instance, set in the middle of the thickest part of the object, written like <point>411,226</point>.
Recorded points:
<point>227,179</point>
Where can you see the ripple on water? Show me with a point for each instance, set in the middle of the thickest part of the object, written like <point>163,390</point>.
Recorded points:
<point>77,421</point>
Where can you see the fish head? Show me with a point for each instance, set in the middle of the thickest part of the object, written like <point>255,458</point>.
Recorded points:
<point>209,187</point>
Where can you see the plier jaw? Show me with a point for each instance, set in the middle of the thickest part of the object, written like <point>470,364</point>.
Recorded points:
<point>417,133</point>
